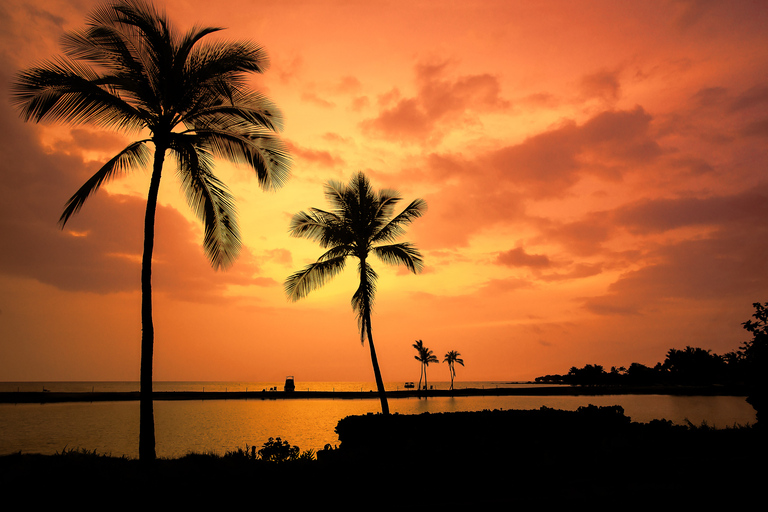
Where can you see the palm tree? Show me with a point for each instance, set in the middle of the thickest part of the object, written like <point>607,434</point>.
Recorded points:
<point>427,357</point>
<point>130,70</point>
<point>361,222</point>
<point>451,358</point>
<point>419,346</point>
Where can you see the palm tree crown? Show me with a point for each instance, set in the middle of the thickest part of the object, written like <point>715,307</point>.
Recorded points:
<point>427,357</point>
<point>130,70</point>
<point>453,357</point>
<point>361,221</point>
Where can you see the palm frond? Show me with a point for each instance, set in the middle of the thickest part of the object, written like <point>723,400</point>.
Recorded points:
<point>320,226</point>
<point>247,113</point>
<point>222,66</point>
<point>264,153</point>
<point>403,253</point>
<point>313,276</point>
<point>396,226</point>
<point>63,90</point>
<point>211,201</point>
<point>135,155</point>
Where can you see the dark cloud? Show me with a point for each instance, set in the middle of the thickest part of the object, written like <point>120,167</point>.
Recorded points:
<point>517,257</point>
<point>602,84</point>
<point>549,163</point>
<point>729,261</point>
<point>659,215</point>
<point>726,266</point>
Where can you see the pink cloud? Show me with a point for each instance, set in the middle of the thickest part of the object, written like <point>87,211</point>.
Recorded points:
<point>438,100</point>
<point>318,156</point>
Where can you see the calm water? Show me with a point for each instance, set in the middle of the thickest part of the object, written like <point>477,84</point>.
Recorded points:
<point>222,425</point>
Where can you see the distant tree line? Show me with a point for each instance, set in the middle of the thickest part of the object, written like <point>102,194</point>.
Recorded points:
<point>690,366</point>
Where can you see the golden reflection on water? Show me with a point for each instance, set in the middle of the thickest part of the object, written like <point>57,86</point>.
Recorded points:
<point>222,425</point>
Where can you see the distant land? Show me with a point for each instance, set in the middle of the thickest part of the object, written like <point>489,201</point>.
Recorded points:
<point>534,390</point>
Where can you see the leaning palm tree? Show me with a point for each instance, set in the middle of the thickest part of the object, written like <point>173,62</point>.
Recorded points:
<point>451,358</point>
<point>361,222</point>
<point>130,70</point>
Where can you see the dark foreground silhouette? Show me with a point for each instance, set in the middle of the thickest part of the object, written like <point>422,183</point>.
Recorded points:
<point>542,458</point>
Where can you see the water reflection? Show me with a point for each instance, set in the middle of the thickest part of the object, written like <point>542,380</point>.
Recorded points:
<point>222,425</point>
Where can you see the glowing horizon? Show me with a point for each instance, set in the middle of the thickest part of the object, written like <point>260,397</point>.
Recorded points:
<point>594,173</point>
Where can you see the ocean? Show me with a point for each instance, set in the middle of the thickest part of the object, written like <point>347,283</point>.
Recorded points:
<point>218,426</point>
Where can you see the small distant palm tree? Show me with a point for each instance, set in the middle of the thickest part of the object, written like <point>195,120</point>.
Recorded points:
<point>425,357</point>
<point>361,222</point>
<point>419,346</point>
<point>130,70</point>
<point>451,358</point>
<point>428,357</point>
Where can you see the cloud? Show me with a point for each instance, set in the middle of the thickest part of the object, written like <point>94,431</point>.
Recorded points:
<point>659,215</point>
<point>312,97</point>
<point>517,257</point>
<point>602,84</point>
<point>495,187</point>
<point>727,260</point>
<point>549,163</point>
<point>579,271</point>
<point>438,101</point>
<point>317,156</point>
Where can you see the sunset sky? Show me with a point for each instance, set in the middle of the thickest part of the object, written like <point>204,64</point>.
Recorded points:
<point>596,175</point>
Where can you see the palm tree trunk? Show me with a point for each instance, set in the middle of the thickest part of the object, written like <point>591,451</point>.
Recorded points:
<point>376,370</point>
<point>421,375</point>
<point>146,403</point>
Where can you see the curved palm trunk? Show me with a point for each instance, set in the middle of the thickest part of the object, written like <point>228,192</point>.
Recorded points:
<point>366,313</point>
<point>146,403</point>
<point>453,373</point>
<point>377,371</point>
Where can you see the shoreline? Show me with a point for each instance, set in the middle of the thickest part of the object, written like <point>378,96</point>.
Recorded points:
<point>19,397</point>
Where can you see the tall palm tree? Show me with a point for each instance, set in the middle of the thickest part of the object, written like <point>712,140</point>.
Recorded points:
<point>453,357</point>
<point>361,222</point>
<point>130,70</point>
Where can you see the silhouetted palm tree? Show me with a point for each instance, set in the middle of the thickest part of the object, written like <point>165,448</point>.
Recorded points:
<point>419,346</point>
<point>451,358</point>
<point>130,70</point>
<point>361,222</point>
<point>427,357</point>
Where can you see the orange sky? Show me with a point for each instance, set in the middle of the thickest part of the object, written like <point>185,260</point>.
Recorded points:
<point>595,173</point>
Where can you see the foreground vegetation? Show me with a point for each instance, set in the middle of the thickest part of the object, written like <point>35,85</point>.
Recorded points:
<point>543,457</point>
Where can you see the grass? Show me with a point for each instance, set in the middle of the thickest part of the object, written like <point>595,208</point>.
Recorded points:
<point>535,458</point>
